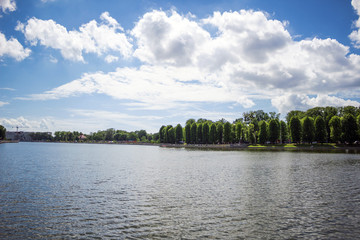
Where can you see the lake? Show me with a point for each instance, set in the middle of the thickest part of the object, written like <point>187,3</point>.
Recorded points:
<point>90,191</point>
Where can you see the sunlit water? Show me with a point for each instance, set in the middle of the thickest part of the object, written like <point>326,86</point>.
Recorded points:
<point>50,190</point>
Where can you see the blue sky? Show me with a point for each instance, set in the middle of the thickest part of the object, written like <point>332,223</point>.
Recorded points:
<point>91,65</point>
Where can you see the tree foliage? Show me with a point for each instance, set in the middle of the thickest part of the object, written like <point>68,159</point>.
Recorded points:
<point>295,129</point>
<point>274,130</point>
<point>2,132</point>
<point>320,129</point>
<point>263,134</point>
<point>308,129</point>
<point>227,132</point>
<point>283,132</point>
<point>349,128</point>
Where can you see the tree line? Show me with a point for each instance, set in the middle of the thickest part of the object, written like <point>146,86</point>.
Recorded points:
<point>319,124</point>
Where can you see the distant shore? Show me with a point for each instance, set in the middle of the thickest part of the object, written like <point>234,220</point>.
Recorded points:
<point>326,147</point>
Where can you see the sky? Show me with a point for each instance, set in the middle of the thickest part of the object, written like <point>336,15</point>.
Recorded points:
<point>89,65</point>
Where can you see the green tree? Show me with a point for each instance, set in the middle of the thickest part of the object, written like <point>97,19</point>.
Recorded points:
<point>263,133</point>
<point>274,130</point>
<point>238,130</point>
<point>141,134</point>
<point>308,129</point>
<point>109,134</point>
<point>251,133</point>
<point>320,129</point>
<point>199,134</point>
<point>283,131</point>
<point>188,133</point>
<point>193,133</point>
<point>335,129</point>
<point>227,132</point>
<point>349,128</point>
<point>294,113</point>
<point>219,132</point>
<point>167,139</point>
<point>205,132</point>
<point>212,133</point>
<point>295,129</point>
<point>170,134</point>
<point>178,133</point>
<point>190,121</point>
<point>162,134</point>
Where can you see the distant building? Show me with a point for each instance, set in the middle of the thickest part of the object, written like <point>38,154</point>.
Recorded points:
<point>23,136</point>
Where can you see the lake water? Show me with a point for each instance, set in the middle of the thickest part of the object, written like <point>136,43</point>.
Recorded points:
<point>53,190</point>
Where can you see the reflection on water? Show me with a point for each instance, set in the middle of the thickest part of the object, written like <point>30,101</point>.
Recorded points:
<point>111,191</point>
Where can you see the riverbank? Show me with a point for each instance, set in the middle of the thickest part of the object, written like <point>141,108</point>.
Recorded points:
<point>271,147</point>
<point>9,141</point>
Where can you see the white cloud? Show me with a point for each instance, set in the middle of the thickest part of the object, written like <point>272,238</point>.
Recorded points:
<point>249,57</point>
<point>12,48</point>
<point>288,102</point>
<point>172,39</point>
<point>92,37</point>
<point>6,5</point>
<point>24,124</point>
<point>355,35</point>
<point>3,103</point>
<point>111,58</point>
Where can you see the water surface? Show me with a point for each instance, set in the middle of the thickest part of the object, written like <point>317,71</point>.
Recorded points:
<point>52,190</point>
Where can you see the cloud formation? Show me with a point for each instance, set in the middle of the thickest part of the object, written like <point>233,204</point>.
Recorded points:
<point>229,57</point>
<point>12,48</point>
<point>355,35</point>
<point>92,37</point>
<point>8,5</point>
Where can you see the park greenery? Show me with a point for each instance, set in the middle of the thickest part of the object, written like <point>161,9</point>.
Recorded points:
<point>319,124</point>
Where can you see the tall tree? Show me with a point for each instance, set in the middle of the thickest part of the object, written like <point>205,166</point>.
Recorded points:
<point>308,129</point>
<point>219,132</point>
<point>193,133</point>
<point>263,136</point>
<point>188,133</point>
<point>295,129</point>
<point>167,137</point>
<point>335,129</point>
<point>283,132</point>
<point>212,133</point>
<point>238,129</point>
<point>274,130</point>
<point>2,132</point>
<point>349,128</point>
<point>171,134</point>
<point>162,134</point>
<point>227,132</point>
<point>178,133</point>
<point>205,132</point>
<point>320,129</point>
<point>190,121</point>
<point>251,133</point>
<point>199,134</point>
<point>294,113</point>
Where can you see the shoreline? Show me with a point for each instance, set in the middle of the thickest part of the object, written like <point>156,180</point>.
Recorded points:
<point>231,147</point>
